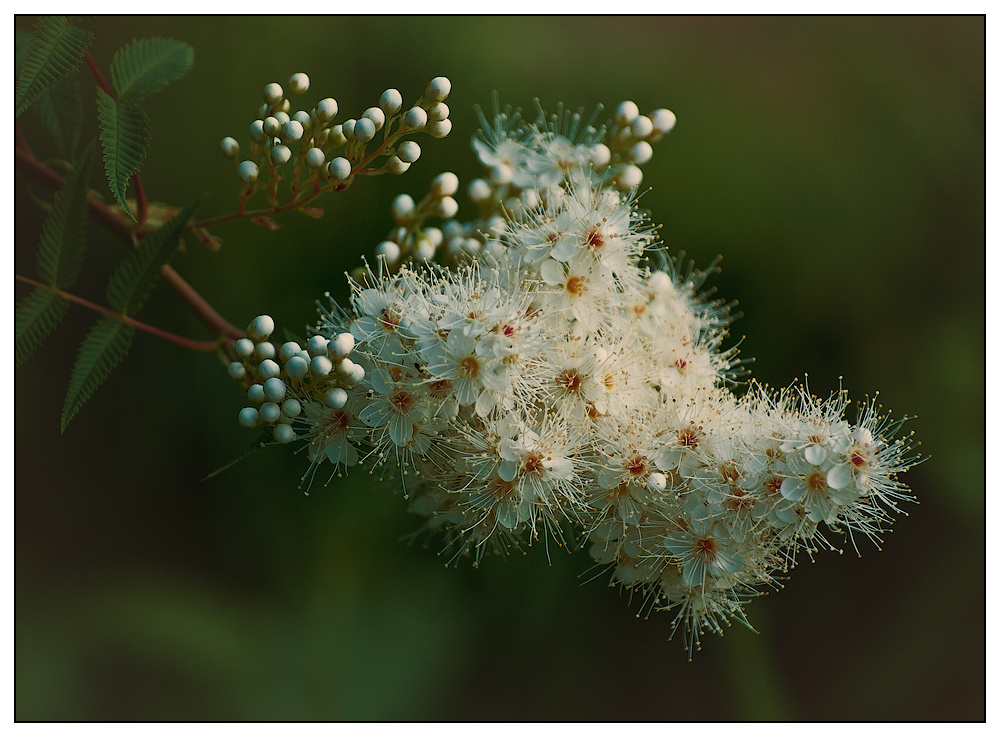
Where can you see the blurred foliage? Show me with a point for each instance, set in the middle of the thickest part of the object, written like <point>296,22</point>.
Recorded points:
<point>837,163</point>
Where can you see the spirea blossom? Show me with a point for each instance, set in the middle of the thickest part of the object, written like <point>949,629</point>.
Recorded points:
<point>544,370</point>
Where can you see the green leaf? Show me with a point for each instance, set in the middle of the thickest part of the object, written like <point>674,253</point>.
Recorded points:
<point>54,50</point>
<point>36,317</point>
<point>135,276</point>
<point>63,235</point>
<point>124,135</point>
<point>60,108</point>
<point>149,64</point>
<point>104,347</point>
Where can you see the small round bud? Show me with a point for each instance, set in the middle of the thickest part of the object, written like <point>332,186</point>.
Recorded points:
<point>348,128</point>
<point>268,368</point>
<point>396,165</point>
<point>641,152</point>
<point>453,228</point>
<point>256,393</point>
<point>402,207</point>
<point>282,117</point>
<point>288,350</point>
<point>244,348</point>
<point>237,370</point>
<point>304,119</point>
<point>375,115</point>
<point>340,168</point>
<point>263,350</point>
<point>315,158</point>
<point>479,190</point>
<point>424,250</point>
<point>389,250</point>
<point>357,374</point>
<point>408,151</point>
<point>320,366</point>
<point>336,399</point>
<point>298,83</point>
<point>230,147</point>
<point>437,112</point>
<point>248,171</point>
<point>291,408</point>
<point>629,178</point>
<point>342,345</point>
<point>274,389</point>
<point>439,88</point>
<point>415,119</point>
<point>391,101</point>
<point>297,367</point>
<point>270,412</point>
<point>434,235</point>
<point>261,327</point>
<point>600,155</point>
<point>642,126</point>
<point>364,130</point>
<point>656,481</point>
<point>273,93</point>
<point>501,174</point>
<point>284,434</point>
<point>317,345</point>
<point>439,128</point>
<point>248,417</point>
<point>626,112</point>
<point>281,154</point>
<point>257,133</point>
<point>447,207</point>
<point>292,131</point>
<point>444,185</point>
<point>663,121</point>
<point>272,126</point>
<point>336,137</point>
<point>283,107</point>
<point>326,109</point>
<point>345,367</point>
<point>529,199</point>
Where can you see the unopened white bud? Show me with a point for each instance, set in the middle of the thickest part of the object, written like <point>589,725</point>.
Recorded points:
<point>342,345</point>
<point>320,366</point>
<point>336,137</point>
<point>439,88</point>
<point>348,128</point>
<point>408,151</point>
<point>288,350</point>
<point>270,412</point>
<point>415,119</point>
<point>282,116</point>
<point>444,185</point>
<point>345,367</point>
<point>663,121</point>
<point>298,83</point>
<point>317,345</point>
<point>479,190</point>
<point>292,131</point>
<point>244,348</point>
<point>626,112</point>
<point>389,250</point>
<point>335,399</point>
<point>375,115</point>
<point>629,178</point>
<point>230,147</point>
<point>263,350</point>
<point>304,118</point>
<point>600,155</point>
<point>439,128</point>
<point>281,154</point>
<point>272,126</point>
<point>656,481</point>
<point>248,417</point>
<point>326,109</point>
<point>391,101</point>
<point>364,130</point>
<point>315,158</point>
<point>291,408</point>
<point>255,393</point>
<point>402,207</point>
<point>257,134</point>
<point>642,126</point>
<point>297,367</point>
<point>424,250</point>
<point>396,165</point>
<point>447,207</point>
<point>357,374</point>
<point>340,168</point>
<point>274,389</point>
<point>641,152</point>
<point>260,328</point>
<point>437,112</point>
<point>273,93</point>
<point>434,235</point>
<point>237,370</point>
<point>268,368</point>
<point>284,434</point>
<point>501,174</point>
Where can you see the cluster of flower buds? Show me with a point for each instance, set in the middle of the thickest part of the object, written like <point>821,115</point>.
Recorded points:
<point>564,375</point>
<point>327,156</point>
<point>280,381</point>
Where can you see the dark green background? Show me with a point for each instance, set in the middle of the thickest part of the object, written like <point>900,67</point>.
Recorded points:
<point>836,163</point>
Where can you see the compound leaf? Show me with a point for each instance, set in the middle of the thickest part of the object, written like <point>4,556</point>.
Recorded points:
<point>149,64</point>
<point>54,49</point>
<point>104,347</point>
<point>124,136</point>
<point>38,315</point>
<point>63,232</point>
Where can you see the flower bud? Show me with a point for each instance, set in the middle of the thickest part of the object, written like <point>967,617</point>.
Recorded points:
<point>298,83</point>
<point>326,109</point>
<point>402,208</point>
<point>291,131</point>
<point>629,178</point>
<point>396,165</point>
<point>237,370</point>
<point>230,148</point>
<point>391,101</point>
<point>408,151</point>
<point>447,207</point>
<point>641,152</point>
<point>244,348</point>
<point>256,394</point>
<point>479,190</point>
<point>272,127</point>
<point>626,112</point>
<point>415,119</point>
<point>248,171</point>
<point>304,118</point>
<point>315,158</point>
<point>269,411</point>
<point>438,129</point>
<point>438,89</point>
<point>320,366</point>
<point>280,155</point>
<point>375,115</point>
<point>248,417</point>
<point>274,389</point>
<point>291,408</point>
<point>437,112</point>
<point>389,250</point>
<point>642,126</point>
<point>336,399</point>
<point>260,328</point>
<point>257,134</point>
<point>364,130</point>
<point>340,168</point>
<point>273,93</point>
<point>444,185</point>
<point>663,121</point>
<point>342,345</point>
<point>284,434</point>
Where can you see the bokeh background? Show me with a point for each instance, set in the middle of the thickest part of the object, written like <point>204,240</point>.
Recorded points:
<point>836,163</point>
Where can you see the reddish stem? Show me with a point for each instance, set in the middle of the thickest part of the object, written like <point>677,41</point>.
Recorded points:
<point>195,345</point>
<point>96,71</point>
<point>140,200</point>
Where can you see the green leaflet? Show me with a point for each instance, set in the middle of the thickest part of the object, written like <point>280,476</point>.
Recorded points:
<point>38,315</point>
<point>54,49</point>
<point>124,135</point>
<point>60,253</point>
<point>60,108</point>
<point>104,347</point>
<point>149,64</point>
<point>135,276</point>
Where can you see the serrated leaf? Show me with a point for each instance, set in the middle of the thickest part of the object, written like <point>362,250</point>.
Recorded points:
<point>36,317</point>
<point>54,49</point>
<point>135,276</point>
<point>149,64</point>
<point>104,348</point>
<point>124,136</point>
<point>60,253</point>
<point>60,108</point>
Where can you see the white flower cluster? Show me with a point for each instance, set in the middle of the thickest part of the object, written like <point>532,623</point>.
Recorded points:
<point>556,376</point>
<point>338,152</point>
